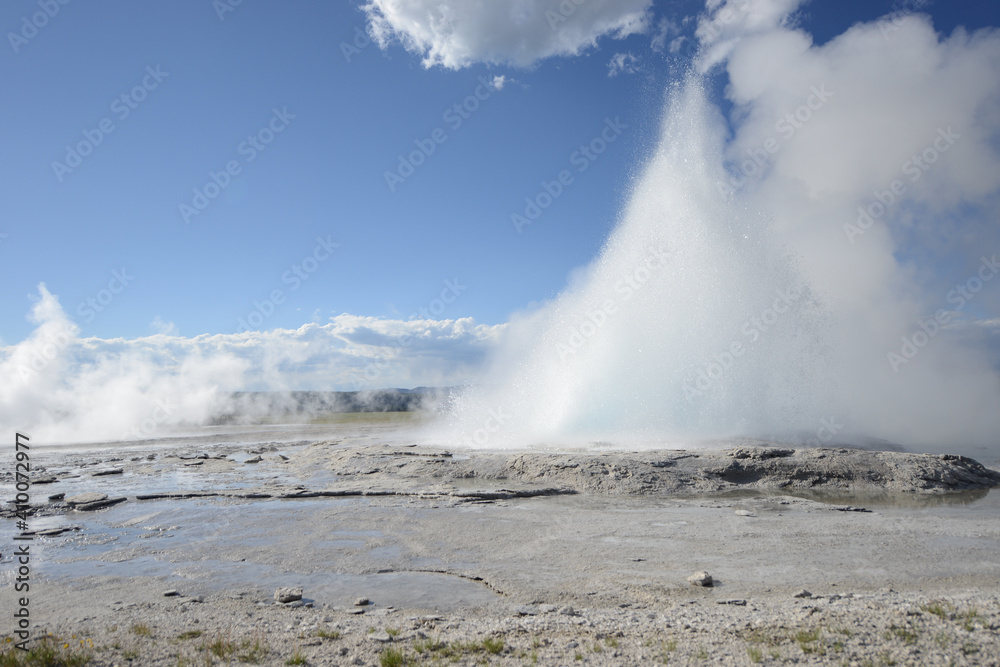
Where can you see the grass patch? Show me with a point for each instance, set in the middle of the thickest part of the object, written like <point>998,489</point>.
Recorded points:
<point>296,659</point>
<point>253,650</point>
<point>493,645</point>
<point>756,655</point>
<point>190,634</point>
<point>391,657</point>
<point>328,634</point>
<point>48,651</point>
<point>428,645</point>
<point>142,630</point>
<point>612,642</point>
<point>936,608</point>
<point>906,634</point>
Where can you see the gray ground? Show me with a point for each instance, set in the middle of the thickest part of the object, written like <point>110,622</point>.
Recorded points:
<point>509,557</point>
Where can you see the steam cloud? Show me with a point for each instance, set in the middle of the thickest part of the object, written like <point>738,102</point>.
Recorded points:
<point>827,273</point>
<point>61,388</point>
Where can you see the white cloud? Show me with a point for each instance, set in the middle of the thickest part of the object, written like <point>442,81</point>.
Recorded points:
<point>63,388</point>
<point>456,34</point>
<point>500,81</point>
<point>162,327</point>
<point>623,63</point>
<point>727,22</point>
<point>666,33</point>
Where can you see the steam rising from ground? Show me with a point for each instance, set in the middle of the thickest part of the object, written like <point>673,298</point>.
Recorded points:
<point>61,388</point>
<point>826,274</point>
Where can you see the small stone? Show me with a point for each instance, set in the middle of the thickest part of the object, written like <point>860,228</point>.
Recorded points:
<point>567,610</point>
<point>571,644</point>
<point>45,479</point>
<point>104,473</point>
<point>256,459</point>
<point>735,602</point>
<point>191,464</point>
<point>361,602</point>
<point>169,593</point>
<point>84,498</point>
<point>382,637</point>
<point>287,594</point>
<point>803,594</point>
<point>57,496</point>
<point>700,578</point>
<point>745,513</point>
<point>356,611</point>
<point>295,603</point>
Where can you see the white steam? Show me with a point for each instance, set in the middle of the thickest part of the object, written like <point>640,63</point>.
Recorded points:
<point>863,179</point>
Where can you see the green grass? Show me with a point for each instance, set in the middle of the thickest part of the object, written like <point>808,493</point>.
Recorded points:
<point>935,608</point>
<point>493,645</point>
<point>370,418</point>
<point>47,652</point>
<point>142,630</point>
<point>906,634</point>
<point>756,655</point>
<point>190,634</point>
<point>296,659</point>
<point>428,645</point>
<point>391,657</point>
<point>612,642</point>
<point>328,634</point>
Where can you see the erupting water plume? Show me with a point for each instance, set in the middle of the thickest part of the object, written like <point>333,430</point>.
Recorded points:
<point>752,289</point>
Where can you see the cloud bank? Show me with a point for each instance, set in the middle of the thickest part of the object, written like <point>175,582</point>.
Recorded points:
<point>457,34</point>
<point>62,388</point>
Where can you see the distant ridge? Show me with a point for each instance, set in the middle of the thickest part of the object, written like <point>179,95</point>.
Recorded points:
<point>245,406</point>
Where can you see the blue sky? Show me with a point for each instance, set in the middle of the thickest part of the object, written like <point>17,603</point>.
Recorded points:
<point>323,176</point>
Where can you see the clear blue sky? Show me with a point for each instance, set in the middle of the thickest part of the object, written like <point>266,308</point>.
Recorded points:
<point>323,174</point>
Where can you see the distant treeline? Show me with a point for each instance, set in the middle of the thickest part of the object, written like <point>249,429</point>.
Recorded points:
<point>295,405</point>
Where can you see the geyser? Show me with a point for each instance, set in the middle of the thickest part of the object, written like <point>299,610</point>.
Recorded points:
<point>692,322</point>
<point>732,300</point>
